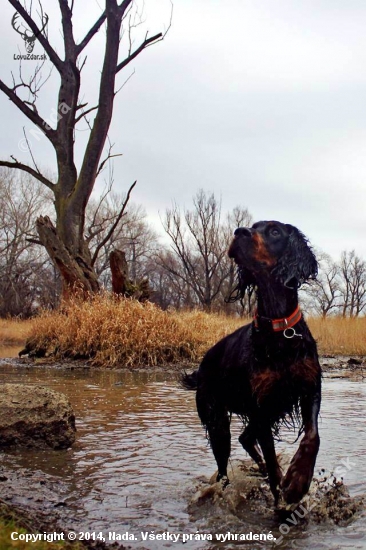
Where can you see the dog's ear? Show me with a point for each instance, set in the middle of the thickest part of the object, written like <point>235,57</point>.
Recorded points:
<point>298,263</point>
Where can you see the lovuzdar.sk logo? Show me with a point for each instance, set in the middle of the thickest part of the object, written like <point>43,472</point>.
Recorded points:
<point>28,36</point>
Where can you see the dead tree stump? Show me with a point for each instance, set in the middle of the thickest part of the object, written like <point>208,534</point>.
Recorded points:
<point>121,283</point>
<point>119,270</point>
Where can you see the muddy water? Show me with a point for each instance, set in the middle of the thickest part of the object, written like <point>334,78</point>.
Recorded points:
<point>141,454</point>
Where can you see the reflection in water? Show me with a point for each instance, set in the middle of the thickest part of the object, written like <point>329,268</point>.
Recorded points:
<point>141,451</point>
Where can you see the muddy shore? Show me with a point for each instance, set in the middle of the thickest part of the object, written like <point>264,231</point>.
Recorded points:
<point>356,363</point>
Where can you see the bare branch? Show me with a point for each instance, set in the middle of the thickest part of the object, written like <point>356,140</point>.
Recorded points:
<point>80,106</point>
<point>34,241</point>
<point>29,170</point>
<point>28,112</point>
<point>95,28</point>
<point>102,164</point>
<point>34,85</point>
<point>147,42</point>
<point>112,229</point>
<point>69,41</point>
<point>30,151</point>
<point>84,113</point>
<point>91,234</point>
<point>125,82</point>
<point>83,63</point>
<point>199,242</point>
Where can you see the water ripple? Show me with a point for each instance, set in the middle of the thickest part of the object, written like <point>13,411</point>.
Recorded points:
<point>140,451</point>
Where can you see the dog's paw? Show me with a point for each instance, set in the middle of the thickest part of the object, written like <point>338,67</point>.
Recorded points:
<point>223,480</point>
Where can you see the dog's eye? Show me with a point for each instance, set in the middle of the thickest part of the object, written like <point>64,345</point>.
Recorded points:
<point>274,232</point>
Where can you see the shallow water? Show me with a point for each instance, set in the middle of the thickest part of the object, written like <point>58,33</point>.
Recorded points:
<point>141,453</point>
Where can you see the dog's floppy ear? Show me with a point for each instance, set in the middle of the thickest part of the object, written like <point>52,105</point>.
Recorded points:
<point>298,262</point>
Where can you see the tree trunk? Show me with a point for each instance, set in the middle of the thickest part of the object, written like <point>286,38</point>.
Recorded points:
<point>65,243</point>
<point>121,283</point>
<point>75,268</point>
<point>119,270</point>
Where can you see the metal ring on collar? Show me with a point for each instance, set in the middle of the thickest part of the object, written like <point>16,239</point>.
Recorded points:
<point>292,334</point>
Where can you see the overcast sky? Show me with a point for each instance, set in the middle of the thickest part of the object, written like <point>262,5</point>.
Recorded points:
<point>262,102</point>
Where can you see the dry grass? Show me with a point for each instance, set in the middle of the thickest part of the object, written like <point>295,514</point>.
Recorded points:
<point>338,336</point>
<point>14,332</point>
<point>126,333</point>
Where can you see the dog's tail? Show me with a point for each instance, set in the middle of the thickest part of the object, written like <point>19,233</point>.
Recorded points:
<point>189,381</point>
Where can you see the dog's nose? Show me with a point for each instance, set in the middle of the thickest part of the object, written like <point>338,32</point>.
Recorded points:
<point>242,232</point>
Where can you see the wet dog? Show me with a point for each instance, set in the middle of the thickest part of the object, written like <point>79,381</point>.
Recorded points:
<point>267,372</point>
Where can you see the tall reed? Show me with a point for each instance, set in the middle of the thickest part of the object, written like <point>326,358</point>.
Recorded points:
<point>339,336</point>
<point>14,331</point>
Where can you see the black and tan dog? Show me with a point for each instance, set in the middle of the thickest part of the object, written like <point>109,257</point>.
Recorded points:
<point>268,371</point>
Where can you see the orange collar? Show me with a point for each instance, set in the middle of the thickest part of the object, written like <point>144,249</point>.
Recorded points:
<point>282,324</point>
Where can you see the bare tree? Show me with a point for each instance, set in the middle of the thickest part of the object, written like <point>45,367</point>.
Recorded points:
<point>25,271</point>
<point>353,284</point>
<point>110,225</point>
<point>167,279</point>
<point>239,217</point>
<point>199,243</point>
<point>324,293</point>
<point>65,242</point>
<point>28,279</point>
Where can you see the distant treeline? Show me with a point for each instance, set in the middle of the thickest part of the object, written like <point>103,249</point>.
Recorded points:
<point>189,268</point>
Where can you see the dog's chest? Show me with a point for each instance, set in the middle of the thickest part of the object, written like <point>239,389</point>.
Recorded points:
<point>286,381</point>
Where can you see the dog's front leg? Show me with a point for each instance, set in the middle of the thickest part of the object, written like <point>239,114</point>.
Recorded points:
<point>265,440</point>
<point>300,473</point>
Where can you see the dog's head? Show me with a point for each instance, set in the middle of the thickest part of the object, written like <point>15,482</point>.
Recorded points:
<point>276,249</point>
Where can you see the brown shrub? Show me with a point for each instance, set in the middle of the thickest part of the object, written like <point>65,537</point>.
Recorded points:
<point>126,333</point>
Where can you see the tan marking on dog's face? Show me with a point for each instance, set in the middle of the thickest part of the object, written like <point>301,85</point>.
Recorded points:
<point>261,253</point>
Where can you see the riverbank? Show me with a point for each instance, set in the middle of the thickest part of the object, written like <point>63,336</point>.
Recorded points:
<point>123,333</point>
<point>347,365</point>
